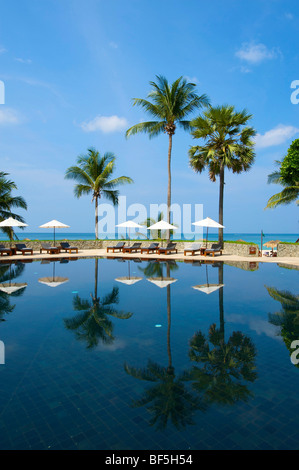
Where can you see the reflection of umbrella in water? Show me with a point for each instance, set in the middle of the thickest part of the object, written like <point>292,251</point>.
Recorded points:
<point>53,281</point>
<point>272,244</point>
<point>208,288</point>
<point>11,287</point>
<point>162,281</point>
<point>129,280</point>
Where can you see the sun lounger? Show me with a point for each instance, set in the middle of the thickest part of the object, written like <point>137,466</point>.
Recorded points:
<point>118,247</point>
<point>65,246</point>
<point>193,249</point>
<point>171,247</point>
<point>214,249</point>
<point>132,249</point>
<point>150,249</point>
<point>5,251</point>
<point>49,249</point>
<point>23,249</point>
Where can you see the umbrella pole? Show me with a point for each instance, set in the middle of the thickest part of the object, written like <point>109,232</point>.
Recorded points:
<point>54,236</point>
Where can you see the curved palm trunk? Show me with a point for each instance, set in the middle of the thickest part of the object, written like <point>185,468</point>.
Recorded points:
<point>169,184</point>
<point>221,194</point>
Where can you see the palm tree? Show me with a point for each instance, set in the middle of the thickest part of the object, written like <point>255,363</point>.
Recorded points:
<point>168,398</point>
<point>93,321</point>
<point>9,202</point>
<point>170,106</point>
<point>289,194</point>
<point>288,177</point>
<point>227,144</point>
<point>7,274</point>
<point>287,319</point>
<point>225,366</point>
<point>93,174</point>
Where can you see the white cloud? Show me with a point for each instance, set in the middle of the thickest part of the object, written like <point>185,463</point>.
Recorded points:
<point>8,116</point>
<point>256,53</point>
<point>2,49</point>
<point>276,136</point>
<point>113,45</point>
<point>192,79</point>
<point>23,61</point>
<point>289,16</point>
<point>105,124</point>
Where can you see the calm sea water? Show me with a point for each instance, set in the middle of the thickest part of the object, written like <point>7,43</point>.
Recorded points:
<point>95,360</point>
<point>248,237</point>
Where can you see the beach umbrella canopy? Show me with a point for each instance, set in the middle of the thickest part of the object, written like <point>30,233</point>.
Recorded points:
<point>207,222</point>
<point>162,281</point>
<point>129,280</point>
<point>54,224</point>
<point>53,281</point>
<point>208,288</point>
<point>272,244</point>
<point>129,224</point>
<point>11,222</point>
<point>162,225</point>
<point>10,288</point>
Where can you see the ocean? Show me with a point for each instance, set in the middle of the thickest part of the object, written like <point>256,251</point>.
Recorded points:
<point>247,237</point>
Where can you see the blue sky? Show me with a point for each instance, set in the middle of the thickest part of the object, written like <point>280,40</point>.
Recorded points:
<point>71,69</point>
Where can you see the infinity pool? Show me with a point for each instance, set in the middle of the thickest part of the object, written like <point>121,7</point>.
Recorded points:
<point>116,355</point>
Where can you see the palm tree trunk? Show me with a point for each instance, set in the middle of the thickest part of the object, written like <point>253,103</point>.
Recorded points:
<point>169,184</point>
<point>221,192</point>
<point>96,218</point>
<point>96,278</point>
<point>221,309</point>
<point>170,367</point>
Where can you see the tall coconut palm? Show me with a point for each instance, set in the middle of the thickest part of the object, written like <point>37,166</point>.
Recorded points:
<point>8,202</point>
<point>169,106</point>
<point>227,143</point>
<point>93,173</point>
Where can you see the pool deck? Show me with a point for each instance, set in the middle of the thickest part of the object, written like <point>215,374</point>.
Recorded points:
<point>102,253</point>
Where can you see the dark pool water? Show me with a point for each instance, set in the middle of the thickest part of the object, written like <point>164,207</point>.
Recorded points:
<point>93,362</point>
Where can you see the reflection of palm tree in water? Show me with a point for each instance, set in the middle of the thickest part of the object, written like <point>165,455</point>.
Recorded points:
<point>8,272</point>
<point>168,399</point>
<point>288,318</point>
<point>93,323</point>
<point>225,366</point>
